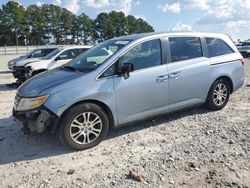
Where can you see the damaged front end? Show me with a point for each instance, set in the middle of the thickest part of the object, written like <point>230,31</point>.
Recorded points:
<point>22,73</point>
<point>33,115</point>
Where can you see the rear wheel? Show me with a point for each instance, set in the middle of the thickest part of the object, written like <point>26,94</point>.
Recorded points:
<point>84,126</point>
<point>218,95</point>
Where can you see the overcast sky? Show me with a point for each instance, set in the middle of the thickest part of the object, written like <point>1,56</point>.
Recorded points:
<point>225,16</point>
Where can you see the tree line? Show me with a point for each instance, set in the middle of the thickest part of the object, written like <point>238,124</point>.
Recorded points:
<point>51,24</point>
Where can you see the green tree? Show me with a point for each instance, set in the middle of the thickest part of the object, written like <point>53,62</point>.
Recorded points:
<point>83,29</point>
<point>37,23</point>
<point>65,26</point>
<point>51,23</point>
<point>14,22</point>
<point>143,26</point>
<point>110,25</point>
<point>118,23</point>
<point>103,27</point>
<point>132,25</point>
<point>52,27</point>
<point>138,25</point>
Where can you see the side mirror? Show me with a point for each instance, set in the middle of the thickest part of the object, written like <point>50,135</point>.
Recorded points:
<point>125,68</point>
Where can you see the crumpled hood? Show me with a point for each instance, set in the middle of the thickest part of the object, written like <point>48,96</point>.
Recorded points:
<point>26,61</point>
<point>48,79</point>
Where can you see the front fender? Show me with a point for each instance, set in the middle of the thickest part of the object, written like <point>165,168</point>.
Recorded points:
<point>66,96</point>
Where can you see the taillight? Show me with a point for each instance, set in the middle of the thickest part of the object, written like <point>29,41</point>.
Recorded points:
<point>242,61</point>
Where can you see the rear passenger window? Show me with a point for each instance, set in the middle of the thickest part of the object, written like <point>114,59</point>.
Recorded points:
<point>217,47</point>
<point>184,48</point>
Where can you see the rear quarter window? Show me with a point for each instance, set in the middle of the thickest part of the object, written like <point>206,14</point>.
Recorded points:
<point>217,47</point>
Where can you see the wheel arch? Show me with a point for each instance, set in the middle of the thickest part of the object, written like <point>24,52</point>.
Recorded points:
<point>104,106</point>
<point>224,77</point>
<point>228,80</point>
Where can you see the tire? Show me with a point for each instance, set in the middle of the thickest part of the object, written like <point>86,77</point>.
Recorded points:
<point>84,126</point>
<point>218,95</point>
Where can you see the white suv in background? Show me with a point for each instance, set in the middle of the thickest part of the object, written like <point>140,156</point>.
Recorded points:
<point>30,67</point>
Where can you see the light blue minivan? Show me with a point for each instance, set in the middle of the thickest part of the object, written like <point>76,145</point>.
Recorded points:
<point>128,79</point>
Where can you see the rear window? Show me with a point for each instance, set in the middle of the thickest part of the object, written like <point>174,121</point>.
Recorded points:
<point>217,47</point>
<point>184,48</point>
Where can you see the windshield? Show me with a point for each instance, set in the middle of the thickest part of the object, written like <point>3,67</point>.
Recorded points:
<point>52,54</point>
<point>96,56</point>
<point>29,53</point>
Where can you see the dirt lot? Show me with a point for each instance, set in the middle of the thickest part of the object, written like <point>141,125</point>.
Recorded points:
<point>194,148</point>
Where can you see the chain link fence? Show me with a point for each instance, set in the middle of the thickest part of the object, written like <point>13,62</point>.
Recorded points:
<point>11,50</point>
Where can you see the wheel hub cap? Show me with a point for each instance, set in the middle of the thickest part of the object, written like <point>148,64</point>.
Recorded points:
<point>86,128</point>
<point>220,94</point>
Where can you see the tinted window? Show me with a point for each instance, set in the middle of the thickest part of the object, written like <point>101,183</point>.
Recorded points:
<point>217,47</point>
<point>68,54</point>
<point>40,52</point>
<point>110,71</point>
<point>144,55</point>
<point>83,50</point>
<point>37,53</point>
<point>52,54</point>
<point>47,51</point>
<point>184,48</point>
<point>76,52</point>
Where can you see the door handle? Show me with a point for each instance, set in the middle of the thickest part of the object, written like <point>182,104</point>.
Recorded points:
<point>175,74</point>
<point>162,78</point>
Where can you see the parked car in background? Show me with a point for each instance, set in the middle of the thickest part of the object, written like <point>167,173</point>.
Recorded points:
<point>29,67</point>
<point>146,75</point>
<point>40,52</point>
<point>244,49</point>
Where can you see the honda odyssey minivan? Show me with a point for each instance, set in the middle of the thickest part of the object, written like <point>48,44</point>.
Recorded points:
<point>128,79</point>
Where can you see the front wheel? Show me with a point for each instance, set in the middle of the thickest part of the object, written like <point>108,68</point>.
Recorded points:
<point>218,95</point>
<point>84,126</point>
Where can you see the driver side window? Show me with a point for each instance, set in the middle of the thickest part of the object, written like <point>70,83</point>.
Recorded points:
<point>37,53</point>
<point>144,55</point>
<point>68,54</point>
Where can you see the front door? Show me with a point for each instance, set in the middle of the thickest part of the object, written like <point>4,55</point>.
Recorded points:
<point>145,92</point>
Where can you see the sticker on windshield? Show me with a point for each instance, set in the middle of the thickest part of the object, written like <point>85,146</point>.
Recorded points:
<point>123,42</point>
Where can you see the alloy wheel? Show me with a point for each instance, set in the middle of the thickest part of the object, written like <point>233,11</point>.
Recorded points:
<point>85,128</point>
<point>220,94</point>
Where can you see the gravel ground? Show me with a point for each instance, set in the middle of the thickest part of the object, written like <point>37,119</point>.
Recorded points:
<point>193,148</point>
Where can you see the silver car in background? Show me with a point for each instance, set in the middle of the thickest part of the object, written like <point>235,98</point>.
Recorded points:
<point>244,49</point>
<point>36,53</point>
<point>129,79</point>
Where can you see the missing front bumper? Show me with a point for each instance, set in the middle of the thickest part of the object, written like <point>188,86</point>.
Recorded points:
<point>37,120</point>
